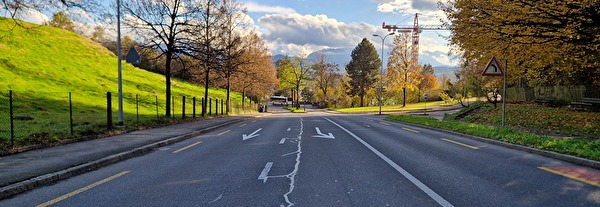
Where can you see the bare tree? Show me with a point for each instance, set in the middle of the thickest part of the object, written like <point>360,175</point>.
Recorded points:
<point>231,45</point>
<point>164,25</point>
<point>204,38</point>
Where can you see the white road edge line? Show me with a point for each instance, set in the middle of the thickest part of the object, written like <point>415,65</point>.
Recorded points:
<point>264,174</point>
<point>406,174</point>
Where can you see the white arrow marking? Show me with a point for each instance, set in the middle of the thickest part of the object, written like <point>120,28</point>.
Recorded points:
<point>321,135</point>
<point>245,137</point>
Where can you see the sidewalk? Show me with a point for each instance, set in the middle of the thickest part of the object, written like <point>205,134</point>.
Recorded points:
<point>32,169</point>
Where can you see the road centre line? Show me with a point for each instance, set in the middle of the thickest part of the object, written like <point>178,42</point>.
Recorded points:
<point>282,140</point>
<point>385,123</point>
<point>242,125</point>
<point>225,132</point>
<point>401,170</point>
<point>410,130</point>
<point>288,129</point>
<point>187,147</point>
<point>81,190</point>
<point>459,143</point>
<point>570,176</point>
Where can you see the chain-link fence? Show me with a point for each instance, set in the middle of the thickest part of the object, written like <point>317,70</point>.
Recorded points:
<point>54,117</point>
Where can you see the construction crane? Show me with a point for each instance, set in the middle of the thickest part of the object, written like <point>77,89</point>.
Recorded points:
<point>415,31</point>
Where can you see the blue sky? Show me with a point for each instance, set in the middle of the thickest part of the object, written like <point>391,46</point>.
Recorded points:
<point>301,27</point>
<point>298,27</point>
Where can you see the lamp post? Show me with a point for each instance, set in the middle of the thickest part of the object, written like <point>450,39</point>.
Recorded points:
<point>120,78</point>
<point>381,72</point>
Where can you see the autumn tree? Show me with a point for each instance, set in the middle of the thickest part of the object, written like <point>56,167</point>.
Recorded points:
<point>403,71</point>
<point>256,76</point>
<point>325,73</point>
<point>429,81</point>
<point>163,25</point>
<point>61,20</point>
<point>293,73</point>
<point>362,69</point>
<point>551,42</point>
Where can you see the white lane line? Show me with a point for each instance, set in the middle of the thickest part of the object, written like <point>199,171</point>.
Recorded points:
<point>282,140</point>
<point>216,199</point>
<point>288,129</point>
<point>401,170</point>
<point>264,174</point>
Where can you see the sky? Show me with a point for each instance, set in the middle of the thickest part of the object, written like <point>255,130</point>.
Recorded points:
<point>301,27</point>
<point>296,27</point>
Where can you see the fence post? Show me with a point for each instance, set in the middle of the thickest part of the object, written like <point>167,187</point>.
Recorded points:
<point>71,113</point>
<point>194,107</point>
<point>203,107</point>
<point>183,108</point>
<point>221,107</point>
<point>12,124</point>
<point>216,107</point>
<point>137,109</point>
<point>209,106</point>
<point>108,111</point>
<point>173,106</point>
<point>156,96</point>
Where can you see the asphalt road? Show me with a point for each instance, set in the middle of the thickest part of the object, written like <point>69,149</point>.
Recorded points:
<point>321,159</point>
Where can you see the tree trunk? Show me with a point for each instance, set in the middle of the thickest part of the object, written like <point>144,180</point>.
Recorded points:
<point>228,105</point>
<point>168,79</point>
<point>404,97</point>
<point>204,104</point>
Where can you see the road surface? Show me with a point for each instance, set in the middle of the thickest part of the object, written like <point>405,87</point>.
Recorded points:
<point>322,159</point>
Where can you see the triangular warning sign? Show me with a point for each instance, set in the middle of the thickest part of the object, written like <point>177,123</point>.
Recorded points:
<point>493,68</point>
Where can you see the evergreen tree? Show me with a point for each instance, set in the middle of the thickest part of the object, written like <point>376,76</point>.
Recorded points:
<point>362,69</point>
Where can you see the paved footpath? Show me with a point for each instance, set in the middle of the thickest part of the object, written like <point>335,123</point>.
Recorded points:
<point>28,170</point>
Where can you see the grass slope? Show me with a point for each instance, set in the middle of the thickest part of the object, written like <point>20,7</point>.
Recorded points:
<point>41,65</point>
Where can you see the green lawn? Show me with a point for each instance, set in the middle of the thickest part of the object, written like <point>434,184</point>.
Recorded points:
<point>373,109</point>
<point>41,65</point>
<point>586,148</point>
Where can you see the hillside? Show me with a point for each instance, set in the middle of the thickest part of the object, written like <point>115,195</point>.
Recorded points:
<point>41,65</point>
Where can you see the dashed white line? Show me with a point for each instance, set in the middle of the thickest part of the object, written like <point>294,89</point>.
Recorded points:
<point>264,174</point>
<point>282,140</point>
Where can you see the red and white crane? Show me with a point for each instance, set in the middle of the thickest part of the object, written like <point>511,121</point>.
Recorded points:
<point>415,31</point>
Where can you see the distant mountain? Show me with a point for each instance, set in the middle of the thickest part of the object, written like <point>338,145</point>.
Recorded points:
<point>448,71</point>
<point>339,56</point>
<point>277,57</point>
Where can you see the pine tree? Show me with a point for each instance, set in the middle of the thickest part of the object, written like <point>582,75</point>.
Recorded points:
<point>362,69</point>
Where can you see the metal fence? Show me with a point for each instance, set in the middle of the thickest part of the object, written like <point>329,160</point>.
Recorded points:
<point>52,117</point>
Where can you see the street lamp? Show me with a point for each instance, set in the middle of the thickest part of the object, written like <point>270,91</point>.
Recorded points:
<point>381,72</point>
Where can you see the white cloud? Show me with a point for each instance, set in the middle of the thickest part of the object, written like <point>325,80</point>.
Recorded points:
<point>296,34</point>
<point>30,15</point>
<point>429,14</point>
<point>255,7</point>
